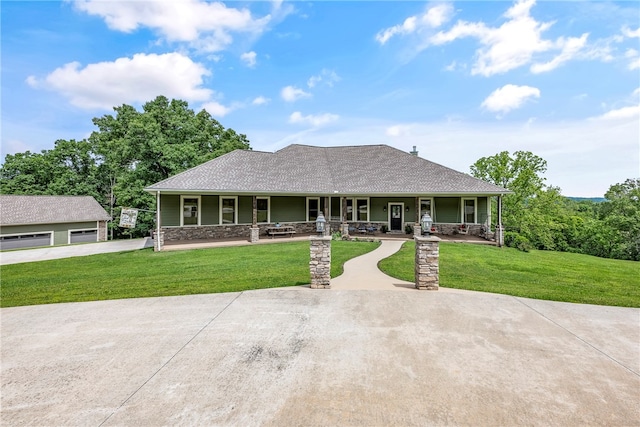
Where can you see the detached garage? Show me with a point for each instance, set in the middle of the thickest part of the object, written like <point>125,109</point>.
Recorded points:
<point>35,221</point>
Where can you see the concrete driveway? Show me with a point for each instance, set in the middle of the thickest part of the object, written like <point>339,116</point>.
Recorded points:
<point>305,357</point>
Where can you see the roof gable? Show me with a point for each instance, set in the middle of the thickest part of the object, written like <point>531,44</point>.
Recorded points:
<point>302,169</point>
<point>25,209</point>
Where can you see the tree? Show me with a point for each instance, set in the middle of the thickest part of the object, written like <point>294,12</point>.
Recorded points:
<point>520,174</point>
<point>621,213</point>
<point>69,169</point>
<point>136,149</point>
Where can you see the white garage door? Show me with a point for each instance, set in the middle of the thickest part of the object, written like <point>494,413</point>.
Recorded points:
<point>25,241</point>
<point>83,236</point>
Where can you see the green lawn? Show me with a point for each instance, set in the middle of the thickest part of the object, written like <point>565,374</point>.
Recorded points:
<point>145,273</point>
<point>557,276</point>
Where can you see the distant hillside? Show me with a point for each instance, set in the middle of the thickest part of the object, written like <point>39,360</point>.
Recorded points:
<point>593,199</point>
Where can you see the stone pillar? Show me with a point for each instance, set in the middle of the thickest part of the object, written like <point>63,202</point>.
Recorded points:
<point>255,234</point>
<point>417,229</point>
<point>320,263</point>
<point>344,229</point>
<point>426,269</point>
<point>158,241</point>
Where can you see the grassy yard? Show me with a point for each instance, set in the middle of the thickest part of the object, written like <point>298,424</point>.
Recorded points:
<point>144,273</point>
<point>548,275</point>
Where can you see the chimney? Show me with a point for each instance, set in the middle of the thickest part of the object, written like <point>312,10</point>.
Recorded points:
<point>414,152</point>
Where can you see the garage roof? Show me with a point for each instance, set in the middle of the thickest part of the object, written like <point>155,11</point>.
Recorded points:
<point>23,209</point>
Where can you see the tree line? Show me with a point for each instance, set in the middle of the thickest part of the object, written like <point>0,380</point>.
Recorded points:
<point>537,216</point>
<point>130,150</point>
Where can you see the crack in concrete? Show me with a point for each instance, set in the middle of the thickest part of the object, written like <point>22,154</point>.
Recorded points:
<point>170,359</point>
<point>613,359</point>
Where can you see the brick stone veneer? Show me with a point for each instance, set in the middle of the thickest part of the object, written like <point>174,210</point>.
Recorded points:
<point>228,231</point>
<point>320,262</point>
<point>426,268</point>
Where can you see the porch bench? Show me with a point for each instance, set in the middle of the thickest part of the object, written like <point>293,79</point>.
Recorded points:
<point>277,231</point>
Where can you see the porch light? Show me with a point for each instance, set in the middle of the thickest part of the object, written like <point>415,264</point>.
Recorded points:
<point>426,222</point>
<point>320,223</point>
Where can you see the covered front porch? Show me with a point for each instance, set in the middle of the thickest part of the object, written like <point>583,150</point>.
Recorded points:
<point>208,217</point>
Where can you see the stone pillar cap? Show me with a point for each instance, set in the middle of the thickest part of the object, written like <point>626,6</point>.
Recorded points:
<point>312,237</point>
<point>429,238</point>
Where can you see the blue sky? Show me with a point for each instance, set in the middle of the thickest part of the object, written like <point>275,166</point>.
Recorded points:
<point>458,80</point>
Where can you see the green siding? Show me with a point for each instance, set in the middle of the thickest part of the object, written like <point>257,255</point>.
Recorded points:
<point>482,210</point>
<point>245,210</point>
<point>210,210</point>
<point>169,210</point>
<point>447,209</point>
<point>285,209</point>
<point>60,231</point>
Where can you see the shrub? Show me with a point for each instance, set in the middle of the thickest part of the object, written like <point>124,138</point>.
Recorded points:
<point>515,240</point>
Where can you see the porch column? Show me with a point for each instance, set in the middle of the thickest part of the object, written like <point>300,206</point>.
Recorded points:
<point>254,231</point>
<point>158,242</point>
<point>499,228</point>
<point>326,214</point>
<point>417,231</point>
<point>344,226</point>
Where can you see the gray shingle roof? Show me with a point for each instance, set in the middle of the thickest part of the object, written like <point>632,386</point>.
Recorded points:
<point>22,210</point>
<point>302,169</point>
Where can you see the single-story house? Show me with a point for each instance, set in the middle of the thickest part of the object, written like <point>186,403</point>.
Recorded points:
<point>33,221</point>
<point>355,186</point>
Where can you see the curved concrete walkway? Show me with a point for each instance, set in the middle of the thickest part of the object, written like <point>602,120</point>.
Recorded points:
<point>362,273</point>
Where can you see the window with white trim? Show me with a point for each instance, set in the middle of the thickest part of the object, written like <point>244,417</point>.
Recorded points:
<point>362,210</point>
<point>262,209</point>
<point>190,210</point>
<point>426,206</point>
<point>349,215</point>
<point>313,208</point>
<point>229,211</point>
<point>469,211</point>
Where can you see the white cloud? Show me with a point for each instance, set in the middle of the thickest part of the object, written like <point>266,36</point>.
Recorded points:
<point>13,146</point>
<point>397,130</point>
<point>313,120</point>
<point>634,57</point>
<point>216,109</point>
<point>518,41</point>
<point>292,93</point>
<point>624,113</point>
<point>433,17</point>
<point>328,77</point>
<point>206,26</point>
<point>570,48</point>
<point>509,97</point>
<point>504,48</point>
<point>141,78</point>
<point>260,100</point>
<point>249,58</point>
<point>631,33</point>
